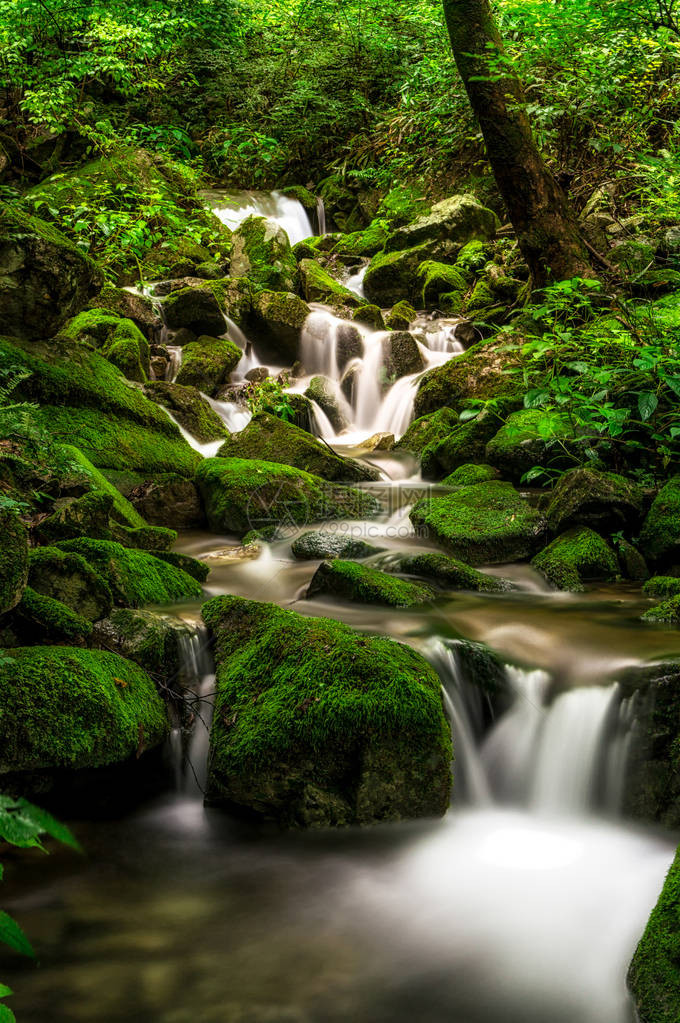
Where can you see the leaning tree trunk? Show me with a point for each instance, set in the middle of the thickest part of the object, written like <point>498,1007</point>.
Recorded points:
<point>538,208</point>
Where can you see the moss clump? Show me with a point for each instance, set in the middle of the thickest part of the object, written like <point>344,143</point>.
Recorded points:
<point>400,316</point>
<point>64,707</point>
<point>660,536</point>
<point>668,611</point>
<point>122,510</point>
<point>271,439</point>
<point>145,538</point>
<point>119,340</point>
<point>484,371</point>
<point>487,523</point>
<point>604,501</point>
<point>134,577</point>
<point>261,251</point>
<point>319,286</point>
<point>474,256</point>
<point>350,581</point>
<point>151,640</point>
<point>69,578</point>
<point>278,317</point>
<point>447,572</point>
<point>467,441</point>
<point>92,328</point>
<point>243,494</point>
<point>577,556</point>
<point>662,586</point>
<point>654,974</point>
<point>468,474</point>
<point>530,438</point>
<point>196,309</point>
<point>371,316</point>
<point>318,725</point>
<point>456,220</point>
<point>13,560</point>
<point>207,363</point>
<point>196,569</point>
<point>325,544</point>
<point>363,243</point>
<point>391,276</point>
<point>436,279</point>
<point>84,516</point>
<point>40,619</point>
<point>429,429</point>
<point>189,408</point>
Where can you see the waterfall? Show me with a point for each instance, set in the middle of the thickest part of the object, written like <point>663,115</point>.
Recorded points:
<point>196,677</point>
<point>174,362</point>
<point>320,216</point>
<point>232,209</point>
<point>355,283</point>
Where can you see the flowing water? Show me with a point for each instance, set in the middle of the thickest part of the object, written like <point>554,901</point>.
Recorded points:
<point>523,905</point>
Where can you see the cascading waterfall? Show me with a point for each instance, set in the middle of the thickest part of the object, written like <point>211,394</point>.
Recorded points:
<point>196,676</point>
<point>320,216</point>
<point>232,209</point>
<point>355,282</point>
<point>174,362</point>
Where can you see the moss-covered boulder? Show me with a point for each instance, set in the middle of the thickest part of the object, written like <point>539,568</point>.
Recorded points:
<point>319,286</point>
<point>13,559</point>
<point>207,363</point>
<point>71,579</point>
<point>371,316</point>
<point>129,306</point>
<point>38,620</point>
<point>322,391</point>
<point>169,500</point>
<point>134,577</point>
<point>459,219</point>
<point>428,429</point>
<point>271,439</point>
<point>322,543</point>
<point>44,279</point>
<point>483,524</point>
<point>189,408</point>
<point>261,251</point>
<point>401,355</point>
<point>436,279</point>
<point>652,783</point>
<point>192,566</point>
<point>447,572</point>
<point>662,586</point>
<point>155,642</point>
<point>400,316</point>
<point>466,442</point>
<point>667,612</point>
<point>391,276</point>
<point>318,725</point>
<point>278,318</point>
<point>145,538</point>
<point>119,340</point>
<point>196,309</point>
<point>654,974</point>
<point>486,370</point>
<point>530,438</point>
<point>67,708</point>
<point>351,581</point>
<point>242,494</point>
<point>122,510</point>
<point>362,243</point>
<point>660,536</point>
<point>576,557</point>
<point>88,515</point>
<point>468,474</point>
<point>605,501</point>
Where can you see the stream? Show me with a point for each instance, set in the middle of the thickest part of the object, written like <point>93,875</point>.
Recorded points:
<point>523,905</point>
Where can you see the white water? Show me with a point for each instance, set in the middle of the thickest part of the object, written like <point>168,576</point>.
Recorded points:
<point>355,283</point>
<point>233,209</point>
<point>174,362</point>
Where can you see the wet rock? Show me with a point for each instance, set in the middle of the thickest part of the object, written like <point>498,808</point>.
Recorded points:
<point>331,739</point>
<point>319,286</point>
<point>576,557</point>
<point>483,524</point>
<point>447,572</point>
<point>483,371</point>
<point>604,501</point>
<point>391,276</point>
<point>207,363</point>
<point>348,580</point>
<point>189,408</point>
<point>467,441</point>
<point>196,569</point>
<point>326,544</point>
<point>169,500</point>
<point>428,429</point>
<point>38,620</point>
<point>257,374</point>
<point>13,559</point>
<point>79,516</point>
<point>278,318</point>
<point>183,336</point>
<point>196,309</point>
<point>371,316</point>
<point>149,639</point>
<point>261,251</point>
<point>378,442</point>
<point>468,474</point>
<point>119,341</point>
<point>435,279</point>
<point>67,577</point>
<point>349,344</point>
<point>129,306</point>
<point>459,219</point>
<point>158,367</point>
<point>400,316</point>
<point>322,391</point>
<point>401,355</point>
<point>660,536</point>
<point>528,439</point>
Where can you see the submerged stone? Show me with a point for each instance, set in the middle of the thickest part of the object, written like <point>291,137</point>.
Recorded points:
<point>351,581</point>
<point>317,725</point>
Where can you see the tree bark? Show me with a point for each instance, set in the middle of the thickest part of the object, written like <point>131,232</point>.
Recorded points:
<point>545,225</point>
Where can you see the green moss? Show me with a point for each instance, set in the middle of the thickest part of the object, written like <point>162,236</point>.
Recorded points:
<point>67,708</point>
<point>199,309</point>
<point>662,586</point>
<point>278,317</point>
<point>128,349</point>
<point>447,572</point>
<point>575,557</point>
<point>400,316</point>
<point>325,726</point>
<point>41,619</point>
<point>271,439</point>
<point>135,577</point>
<point>196,569</point>
<point>92,328</point>
<point>530,437</point>
<point>363,243</point>
<point>207,363</point>
<point>487,523</point>
<point>484,371</point>
<point>319,286</point>
<point>654,975</point>
<point>151,640</point>
<point>402,204</point>
<point>391,276</point>
<point>261,251</point>
<point>371,316</point>
<point>189,408</point>
<point>436,279</point>
<point>452,303</point>
<point>426,430</point>
<point>351,581</point>
<point>668,611</point>
<point>13,560</point>
<point>474,256</point>
<point>243,494</point>
<point>468,441</point>
<point>144,538</point>
<point>660,536</point>
<point>123,511</point>
<point>302,194</point>
<point>85,516</point>
<point>468,474</point>
<point>67,577</point>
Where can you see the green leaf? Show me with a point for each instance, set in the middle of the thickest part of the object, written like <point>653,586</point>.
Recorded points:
<point>6,1014</point>
<point>647,403</point>
<point>11,934</point>
<point>5,991</point>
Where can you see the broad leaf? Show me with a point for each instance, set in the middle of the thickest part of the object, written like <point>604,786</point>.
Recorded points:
<point>647,403</point>
<point>11,934</point>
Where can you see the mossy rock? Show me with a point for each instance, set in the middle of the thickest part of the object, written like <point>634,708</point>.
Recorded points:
<point>318,725</point>
<point>660,536</point>
<point>400,316</point>
<point>261,251</point>
<point>129,306</point>
<point>486,370</point>
<point>196,309</point>
<point>483,524</point>
<point>447,572</point>
<point>278,318</point>
<point>153,641</point>
<point>662,586</point>
<point>322,543</point>
<point>459,219</point>
<point>322,391</point>
<point>13,559</point>
<point>633,565</point>
<point>371,316</point>
<point>67,577</point>
<point>169,500</point>
<point>319,286</point>
<point>303,196</point>
<point>668,611</point>
<point>128,349</point>
<point>38,620</point>
<point>435,279</point>
<point>81,516</point>
<point>145,538</point>
<point>401,355</point>
<point>351,581</point>
<point>654,974</point>
<point>391,276</point>
<point>468,474</point>
<point>604,501</point>
<point>134,577</point>
<point>192,566</point>
<point>122,510</point>
<point>467,441</point>
<point>401,205</point>
<point>242,494</point>
<point>428,429</point>
<point>270,439</point>
<point>530,438</point>
<point>44,278</point>
<point>474,256</point>
<point>189,408</point>
<point>363,243</point>
<point>63,707</point>
<point>576,557</point>
<point>207,363</point>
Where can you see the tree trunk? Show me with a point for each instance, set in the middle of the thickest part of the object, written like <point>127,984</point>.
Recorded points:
<point>546,228</point>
